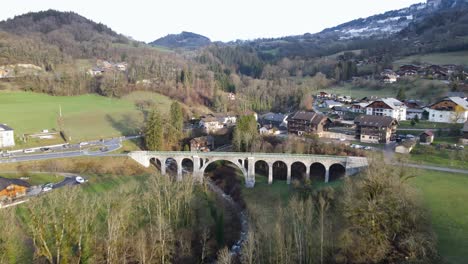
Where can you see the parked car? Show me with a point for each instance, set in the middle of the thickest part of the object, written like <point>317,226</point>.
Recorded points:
<point>47,187</point>
<point>83,144</point>
<point>45,149</point>
<point>6,154</point>
<point>80,179</point>
<point>28,150</point>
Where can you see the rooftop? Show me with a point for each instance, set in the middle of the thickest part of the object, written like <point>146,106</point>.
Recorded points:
<point>5,182</point>
<point>4,127</point>
<point>375,121</point>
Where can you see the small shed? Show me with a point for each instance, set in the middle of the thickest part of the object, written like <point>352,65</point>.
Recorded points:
<point>406,147</point>
<point>426,137</point>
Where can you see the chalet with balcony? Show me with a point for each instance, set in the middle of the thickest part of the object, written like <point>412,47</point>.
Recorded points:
<point>449,110</point>
<point>375,129</point>
<point>307,122</point>
<point>12,188</point>
<point>390,107</point>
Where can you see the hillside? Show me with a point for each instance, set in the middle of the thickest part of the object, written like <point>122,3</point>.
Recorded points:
<point>76,56</point>
<point>185,40</point>
<point>73,34</point>
<point>379,31</point>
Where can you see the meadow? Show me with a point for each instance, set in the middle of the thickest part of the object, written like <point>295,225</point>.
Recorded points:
<point>85,117</point>
<point>458,58</point>
<point>445,196</point>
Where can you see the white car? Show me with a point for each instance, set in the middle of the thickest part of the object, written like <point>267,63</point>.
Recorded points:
<point>48,187</point>
<point>80,179</point>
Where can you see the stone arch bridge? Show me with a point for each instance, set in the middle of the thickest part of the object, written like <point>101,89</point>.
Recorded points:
<point>246,162</point>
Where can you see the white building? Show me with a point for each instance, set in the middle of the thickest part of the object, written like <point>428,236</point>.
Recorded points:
<point>331,103</point>
<point>215,122</point>
<point>359,107</point>
<point>449,110</point>
<point>7,137</point>
<point>387,107</point>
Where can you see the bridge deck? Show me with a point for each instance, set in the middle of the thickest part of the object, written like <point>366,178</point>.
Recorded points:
<point>237,154</point>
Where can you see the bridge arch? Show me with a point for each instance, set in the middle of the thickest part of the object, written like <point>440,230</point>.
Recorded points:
<point>299,171</point>
<point>187,166</point>
<point>230,161</point>
<point>280,170</point>
<point>318,172</point>
<point>156,163</point>
<point>262,168</point>
<point>337,171</point>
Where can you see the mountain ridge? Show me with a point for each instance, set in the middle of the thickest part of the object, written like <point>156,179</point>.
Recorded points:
<point>185,39</point>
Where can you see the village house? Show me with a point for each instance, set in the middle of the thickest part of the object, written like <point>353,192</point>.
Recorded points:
<point>449,110</point>
<point>269,130</point>
<point>387,107</point>
<point>213,123</point>
<point>7,137</point>
<point>437,72</point>
<point>340,110</point>
<point>274,120</point>
<point>375,129</point>
<point>409,70</point>
<point>203,144</point>
<point>331,103</point>
<point>12,188</point>
<point>414,108</point>
<point>359,107</point>
<point>324,95</point>
<point>389,76</point>
<point>426,137</point>
<point>305,122</point>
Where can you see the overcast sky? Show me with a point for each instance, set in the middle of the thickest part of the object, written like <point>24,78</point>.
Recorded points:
<point>223,20</point>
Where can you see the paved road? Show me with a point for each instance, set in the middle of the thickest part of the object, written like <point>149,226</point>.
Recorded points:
<point>107,146</point>
<point>429,167</point>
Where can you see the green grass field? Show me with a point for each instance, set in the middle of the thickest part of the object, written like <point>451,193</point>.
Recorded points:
<point>423,124</point>
<point>85,117</point>
<point>420,89</point>
<point>445,194</point>
<point>444,158</point>
<point>459,58</point>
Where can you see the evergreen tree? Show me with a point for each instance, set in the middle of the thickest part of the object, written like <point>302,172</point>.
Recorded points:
<point>154,132</point>
<point>177,118</point>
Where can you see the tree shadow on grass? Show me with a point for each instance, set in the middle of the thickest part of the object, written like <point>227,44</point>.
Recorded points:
<point>126,124</point>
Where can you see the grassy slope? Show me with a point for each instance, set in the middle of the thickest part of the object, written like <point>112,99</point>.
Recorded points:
<point>444,158</point>
<point>446,194</point>
<point>459,58</point>
<point>419,91</point>
<point>86,116</point>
